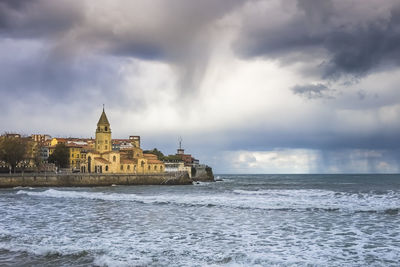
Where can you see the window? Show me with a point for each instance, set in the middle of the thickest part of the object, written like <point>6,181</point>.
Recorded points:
<point>155,167</point>
<point>105,147</point>
<point>114,158</point>
<point>134,167</point>
<point>149,167</point>
<point>72,155</point>
<point>106,168</point>
<point>122,167</point>
<point>160,168</point>
<point>129,167</point>
<point>106,141</point>
<point>105,128</point>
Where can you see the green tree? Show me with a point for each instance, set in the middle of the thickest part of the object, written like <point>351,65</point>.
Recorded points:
<point>172,158</point>
<point>60,156</point>
<point>12,150</point>
<point>156,152</point>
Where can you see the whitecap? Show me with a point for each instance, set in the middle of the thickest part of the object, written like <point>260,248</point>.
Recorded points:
<point>301,200</point>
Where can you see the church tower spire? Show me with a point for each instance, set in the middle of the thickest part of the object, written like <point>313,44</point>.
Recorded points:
<point>103,134</point>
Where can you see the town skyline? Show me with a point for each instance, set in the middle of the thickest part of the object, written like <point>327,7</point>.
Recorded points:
<point>252,86</point>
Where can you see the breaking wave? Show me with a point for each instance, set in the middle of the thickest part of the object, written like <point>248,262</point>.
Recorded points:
<point>284,200</point>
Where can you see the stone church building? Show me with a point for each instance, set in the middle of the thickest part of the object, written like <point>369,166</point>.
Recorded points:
<point>127,159</point>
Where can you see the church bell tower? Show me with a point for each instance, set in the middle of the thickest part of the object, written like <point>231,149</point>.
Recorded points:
<point>103,134</point>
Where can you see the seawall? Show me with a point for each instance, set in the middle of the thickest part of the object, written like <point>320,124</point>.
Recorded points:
<point>86,180</point>
<point>203,173</point>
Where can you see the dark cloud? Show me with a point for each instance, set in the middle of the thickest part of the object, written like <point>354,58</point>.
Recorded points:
<point>318,130</point>
<point>313,91</point>
<point>344,39</point>
<point>177,32</point>
<point>38,18</point>
<point>14,4</point>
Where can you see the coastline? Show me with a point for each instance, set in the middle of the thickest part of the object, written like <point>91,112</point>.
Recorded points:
<point>92,180</point>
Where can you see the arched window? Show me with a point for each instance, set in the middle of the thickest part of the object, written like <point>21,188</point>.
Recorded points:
<point>160,168</point>
<point>142,164</point>
<point>155,167</point>
<point>149,167</point>
<point>106,168</point>
<point>105,128</point>
<point>129,167</point>
<point>114,158</point>
<point>122,167</point>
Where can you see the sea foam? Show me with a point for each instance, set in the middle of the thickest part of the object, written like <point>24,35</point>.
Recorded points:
<point>303,199</point>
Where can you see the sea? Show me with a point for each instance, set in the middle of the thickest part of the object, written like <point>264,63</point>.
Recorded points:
<point>243,220</point>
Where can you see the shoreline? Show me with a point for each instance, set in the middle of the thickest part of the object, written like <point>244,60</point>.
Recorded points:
<point>91,180</point>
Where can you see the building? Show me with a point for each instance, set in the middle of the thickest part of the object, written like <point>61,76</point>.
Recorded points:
<point>44,153</point>
<point>187,159</point>
<point>40,138</point>
<point>177,166</point>
<point>120,155</point>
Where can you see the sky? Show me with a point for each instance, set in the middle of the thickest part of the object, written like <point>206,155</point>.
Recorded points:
<point>256,86</point>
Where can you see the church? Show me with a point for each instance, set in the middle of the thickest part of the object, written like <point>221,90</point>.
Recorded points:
<point>106,157</point>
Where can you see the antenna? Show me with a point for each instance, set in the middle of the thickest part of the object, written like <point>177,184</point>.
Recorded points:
<point>103,107</point>
<point>180,142</point>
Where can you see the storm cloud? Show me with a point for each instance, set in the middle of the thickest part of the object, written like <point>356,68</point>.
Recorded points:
<point>313,91</point>
<point>338,37</point>
<point>178,32</point>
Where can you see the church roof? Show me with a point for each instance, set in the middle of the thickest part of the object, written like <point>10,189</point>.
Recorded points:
<point>104,161</point>
<point>149,156</point>
<point>154,161</point>
<point>129,161</point>
<point>103,119</point>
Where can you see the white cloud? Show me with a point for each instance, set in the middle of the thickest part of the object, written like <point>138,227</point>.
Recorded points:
<point>276,161</point>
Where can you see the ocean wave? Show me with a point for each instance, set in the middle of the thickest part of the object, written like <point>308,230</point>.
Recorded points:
<point>43,250</point>
<point>283,200</point>
<point>250,192</point>
<point>23,187</point>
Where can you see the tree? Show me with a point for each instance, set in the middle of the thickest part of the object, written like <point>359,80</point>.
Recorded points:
<point>60,156</point>
<point>172,158</point>
<point>12,150</point>
<point>156,152</point>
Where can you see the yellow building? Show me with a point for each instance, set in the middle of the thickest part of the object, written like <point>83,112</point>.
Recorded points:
<point>103,134</point>
<point>55,141</point>
<point>77,156</point>
<point>129,160</point>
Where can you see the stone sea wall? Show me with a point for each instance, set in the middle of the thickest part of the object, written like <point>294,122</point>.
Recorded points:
<point>203,173</point>
<point>77,179</point>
